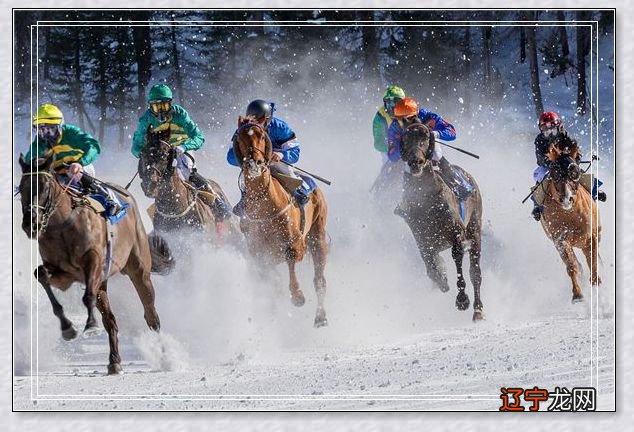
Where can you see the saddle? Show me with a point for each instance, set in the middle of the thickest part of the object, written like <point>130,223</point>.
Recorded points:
<point>98,202</point>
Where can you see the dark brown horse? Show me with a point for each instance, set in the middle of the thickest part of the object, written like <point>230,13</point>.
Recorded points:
<point>571,217</point>
<point>273,223</point>
<point>432,212</point>
<point>179,205</point>
<point>72,241</point>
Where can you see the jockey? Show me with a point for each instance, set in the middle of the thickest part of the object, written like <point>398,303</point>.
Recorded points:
<point>440,128</point>
<point>73,150</point>
<point>185,136</point>
<point>384,116</point>
<point>285,148</point>
<point>552,129</point>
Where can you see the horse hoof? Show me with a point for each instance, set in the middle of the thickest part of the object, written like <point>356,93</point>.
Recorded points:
<point>115,369</point>
<point>321,322</point>
<point>92,331</point>
<point>478,316</point>
<point>577,299</point>
<point>70,333</point>
<point>462,301</point>
<point>298,299</point>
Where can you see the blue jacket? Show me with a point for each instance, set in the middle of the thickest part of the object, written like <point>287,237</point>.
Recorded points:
<point>432,120</point>
<point>280,134</point>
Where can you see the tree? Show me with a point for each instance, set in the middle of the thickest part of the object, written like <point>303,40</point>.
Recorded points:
<point>583,48</point>
<point>531,48</point>
<point>143,53</point>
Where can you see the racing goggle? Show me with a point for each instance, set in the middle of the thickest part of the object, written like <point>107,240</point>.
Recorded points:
<point>160,106</point>
<point>549,129</point>
<point>390,103</point>
<point>46,131</point>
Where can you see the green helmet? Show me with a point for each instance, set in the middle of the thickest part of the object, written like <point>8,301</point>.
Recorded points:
<point>393,92</point>
<point>160,92</point>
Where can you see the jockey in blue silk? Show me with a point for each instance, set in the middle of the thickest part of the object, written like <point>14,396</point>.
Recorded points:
<point>285,148</point>
<point>407,108</point>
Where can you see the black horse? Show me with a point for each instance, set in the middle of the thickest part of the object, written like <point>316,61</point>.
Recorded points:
<point>437,218</point>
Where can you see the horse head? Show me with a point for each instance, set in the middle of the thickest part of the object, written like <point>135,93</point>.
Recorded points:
<point>565,174</point>
<point>252,147</point>
<point>156,161</point>
<point>417,145</point>
<point>36,194</point>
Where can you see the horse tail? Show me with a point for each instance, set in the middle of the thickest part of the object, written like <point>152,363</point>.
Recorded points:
<point>162,260</point>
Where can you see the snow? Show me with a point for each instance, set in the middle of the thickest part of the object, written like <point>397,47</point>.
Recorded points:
<point>231,341</point>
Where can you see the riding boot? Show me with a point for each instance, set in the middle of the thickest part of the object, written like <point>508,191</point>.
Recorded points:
<point>218,206</point>
<point>89,185</point>
<point>453,179</point>
<point>241,207</point>
<point>538,210</point>
<point>300,197</point>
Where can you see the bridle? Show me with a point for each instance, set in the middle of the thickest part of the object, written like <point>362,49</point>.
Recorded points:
<point>428,153</point>
<point>50,206</point>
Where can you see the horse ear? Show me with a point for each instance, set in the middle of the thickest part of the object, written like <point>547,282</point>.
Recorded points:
<point>23,164</point>
<point>240,120</point>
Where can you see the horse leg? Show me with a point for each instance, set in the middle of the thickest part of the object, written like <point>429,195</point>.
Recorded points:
<point>591,252</point>
<point>297,296</point>
<point>140,277</point>
<point>435,267</point>
<point>110,324</point>
<point>318,247</point>
<point>475,272</point>
<point>457,253</point>
<point>569,259</point>
<point>93,275</point>
<point>68,330</point>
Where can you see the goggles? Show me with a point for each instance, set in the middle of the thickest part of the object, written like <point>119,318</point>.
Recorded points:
<point>549,129</point>
<point>160,106</point>
<point>47,131</point>
<point>390,103</point>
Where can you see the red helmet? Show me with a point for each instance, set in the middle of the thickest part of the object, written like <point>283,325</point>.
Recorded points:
<point>548,120</point>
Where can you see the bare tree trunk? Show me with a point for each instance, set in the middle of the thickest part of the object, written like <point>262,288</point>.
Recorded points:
<point>467,69</point>
<point>486,57</point>
<point>563,34</point>
<point>583,47</point>
<point>531,46</point>
<point>102,86</point>
<point>143,53</point>
<point>77,87</point>
<point>370,49</point>
<point>178,76</point>
<point>522,44</point>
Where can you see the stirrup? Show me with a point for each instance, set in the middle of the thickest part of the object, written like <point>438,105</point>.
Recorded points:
<point>537,212</point>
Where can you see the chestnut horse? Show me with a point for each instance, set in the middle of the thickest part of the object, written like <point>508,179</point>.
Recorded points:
<point>72,241</point>
<point>432,212</point>
<point>179,205</point>
<point>571,217</point>
<point>273,221</point>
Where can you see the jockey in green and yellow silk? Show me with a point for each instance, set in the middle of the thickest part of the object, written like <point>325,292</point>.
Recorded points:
<point>384,116</point>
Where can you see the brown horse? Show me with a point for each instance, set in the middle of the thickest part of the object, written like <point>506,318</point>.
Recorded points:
<point>72,241</point>
<point>432,212</point>
<point>273,222</point>
<point>571,217</point>
<point>179,205</point>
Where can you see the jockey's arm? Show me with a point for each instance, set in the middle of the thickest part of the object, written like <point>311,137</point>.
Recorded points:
<point>379,130</point>
<point>446,131</point>
<point>542,148</point>
<point>394,142</point>
<point>138,139</point>
<point>290,151</point>
<point>77,138</point>
<point>196,138</point>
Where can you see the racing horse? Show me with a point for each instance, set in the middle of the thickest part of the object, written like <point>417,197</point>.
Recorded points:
<point>74,246</point>
<point>571,216</point>
<point>436,217</point>
<point>275,228</point>
<point>179,205</point>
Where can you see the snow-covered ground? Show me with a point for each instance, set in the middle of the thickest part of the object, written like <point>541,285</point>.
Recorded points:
<point>231,341</point>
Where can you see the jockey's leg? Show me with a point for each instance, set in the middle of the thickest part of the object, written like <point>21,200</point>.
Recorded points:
<point>184,166</point>
<point>88,183</point>
<point>592,185</point>
<point>187,171</point>
<point>453,178</point>
<point>299,194</point>
<point>538,192</point>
